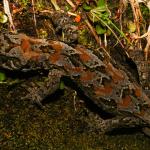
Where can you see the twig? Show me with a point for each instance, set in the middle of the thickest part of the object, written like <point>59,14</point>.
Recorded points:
<point>93,32</point>
<point>71,4</point>
<point>34,17</point>
<point>7,12</point>
<point>137,16</point>
<point>54,2</point>
<point>98,40</point>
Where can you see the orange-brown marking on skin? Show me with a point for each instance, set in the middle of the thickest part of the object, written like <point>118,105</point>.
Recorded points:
<point>25,45</point>
<point>138,91</point>
<point>37,41</point>
<point>103,91</point>
<point>87,76</point>
<point>32,40</point>
<point>116,74</point>
<point>141,113</point>
<point>27,51</point>
<point>58,48</point>
<point>73,69</point>
<point>77,69</point>
<point>34,55</point>
<point>126,101</point>
<point>54,57</point>
<point>84,56</point>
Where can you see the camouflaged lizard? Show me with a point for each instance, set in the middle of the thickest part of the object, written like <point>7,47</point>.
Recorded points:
<point>143,67</point>
<point>96,75</point>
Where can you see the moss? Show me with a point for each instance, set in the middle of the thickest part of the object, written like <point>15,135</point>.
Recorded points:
<point>60,126</point>
<point>145,13</point>
<point>85,38</point>
<point>24,3</point>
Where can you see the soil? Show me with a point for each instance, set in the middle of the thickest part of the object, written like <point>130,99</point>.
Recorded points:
<point>64,124</point>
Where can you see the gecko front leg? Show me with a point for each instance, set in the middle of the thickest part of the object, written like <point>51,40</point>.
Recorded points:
<point>38,91</point>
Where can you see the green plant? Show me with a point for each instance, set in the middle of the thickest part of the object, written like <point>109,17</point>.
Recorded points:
<point>101,16</point>
<point>24,2</point>
<point>2,76</point>
<point>54,2</point>
<point>61,85</point>
<point>3,18</point>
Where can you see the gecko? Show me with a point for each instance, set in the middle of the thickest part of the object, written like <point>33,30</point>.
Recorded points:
<point>98,76</point>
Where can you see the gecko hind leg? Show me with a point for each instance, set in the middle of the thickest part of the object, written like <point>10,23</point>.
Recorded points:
<point>38,91</point>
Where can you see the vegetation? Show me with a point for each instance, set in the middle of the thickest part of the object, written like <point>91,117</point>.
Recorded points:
<point>65,124</point>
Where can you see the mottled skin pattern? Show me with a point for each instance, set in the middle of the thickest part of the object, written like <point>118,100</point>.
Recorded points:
<point>64,24</point>
<point>143,67</point>
<point>97,76</point>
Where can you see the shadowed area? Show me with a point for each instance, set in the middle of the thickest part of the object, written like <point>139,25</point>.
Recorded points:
<point>63,124</point>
